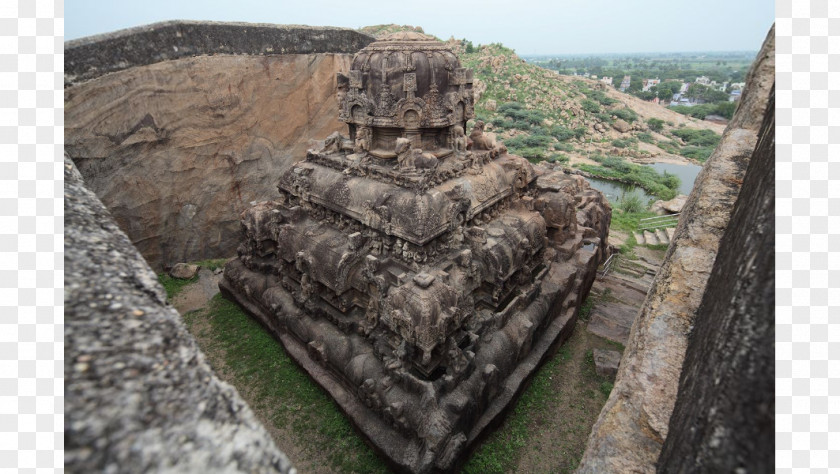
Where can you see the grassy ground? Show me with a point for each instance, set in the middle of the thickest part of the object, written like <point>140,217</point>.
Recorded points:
<point>173,286</point>
<point>301,417</point>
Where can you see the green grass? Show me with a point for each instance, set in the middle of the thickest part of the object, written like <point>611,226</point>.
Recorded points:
<point>628,221</point>
<point>281,388</point>
<point>173,286</point>
<point>586,308</point>
<point>499,453</point>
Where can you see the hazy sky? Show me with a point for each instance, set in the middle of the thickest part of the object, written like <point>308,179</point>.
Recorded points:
<point>528,26</point>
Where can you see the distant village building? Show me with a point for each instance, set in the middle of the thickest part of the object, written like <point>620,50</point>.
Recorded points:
<point>607,80</point>
<point>684,87</point>
<point>625,83</point>
<point>702,80</point>
<point>648,83</point>
<point>738,85</point>
<point>593,76</point>
<point>735,95</point>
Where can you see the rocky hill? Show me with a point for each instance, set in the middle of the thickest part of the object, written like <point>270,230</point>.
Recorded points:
<point>540,114</point>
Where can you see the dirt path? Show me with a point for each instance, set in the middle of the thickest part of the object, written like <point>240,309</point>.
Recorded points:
<point>559,434</point>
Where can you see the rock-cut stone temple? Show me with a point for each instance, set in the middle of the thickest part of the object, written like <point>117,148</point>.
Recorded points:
<point>417,273</point>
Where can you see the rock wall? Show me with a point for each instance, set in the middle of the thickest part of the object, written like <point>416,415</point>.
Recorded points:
<point>728,425</point>
<point>139,395</point>
<point>176,149</point>
<point>87,58</point>
<point>633,424</point>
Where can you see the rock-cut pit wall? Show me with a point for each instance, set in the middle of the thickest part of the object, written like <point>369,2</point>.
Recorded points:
<point>634,423</point>
<point>178,126</point>
<point>139,394</point>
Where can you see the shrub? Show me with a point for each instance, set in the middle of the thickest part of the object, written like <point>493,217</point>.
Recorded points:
<point>590,106</point>
<point>655,124</point>
<point>525,141</point>
<point>645,137</point>
<point>600,97</point>
<point>624,142</point>
<point>698,138</point>
<point>698,153</point>
<point>630,203</point>
<point>626,114</point>
<point>605,117</point>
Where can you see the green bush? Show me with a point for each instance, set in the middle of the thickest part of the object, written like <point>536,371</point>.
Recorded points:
<point>590,106</point>
<point>697,152</point>
<point>605,117</point>
<point>698,138</point>
<point>525,141</point>
<point>631,203</point>
<point>645,137</point>
<point>655,124</point>
<point>600,97</point>
<point>626,114</point>
<point>624,142</point>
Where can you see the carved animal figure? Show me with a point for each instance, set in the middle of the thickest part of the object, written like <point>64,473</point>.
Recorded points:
<point>480,141</point>
<point>413,158</point>
<point>332,144</point>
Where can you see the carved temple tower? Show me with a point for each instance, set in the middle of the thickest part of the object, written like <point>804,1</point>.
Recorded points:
<point>418,275</point>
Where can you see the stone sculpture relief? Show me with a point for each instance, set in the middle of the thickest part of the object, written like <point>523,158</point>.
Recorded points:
<point>418,276</point>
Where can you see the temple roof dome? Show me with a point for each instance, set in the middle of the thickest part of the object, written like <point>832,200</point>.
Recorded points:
<point>407,80</point>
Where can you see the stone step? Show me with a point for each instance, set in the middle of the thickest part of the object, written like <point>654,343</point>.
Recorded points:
<point>650,238</point>
<point>663,236</point>
<point>640,239</point>
<point>670,231</point>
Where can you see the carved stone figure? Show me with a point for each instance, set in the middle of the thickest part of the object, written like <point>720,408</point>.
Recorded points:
<point>459,139</point>
<point>418,282</point>
<point>479,140</point>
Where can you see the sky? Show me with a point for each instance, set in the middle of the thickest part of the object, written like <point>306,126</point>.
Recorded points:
<point>528,26</point>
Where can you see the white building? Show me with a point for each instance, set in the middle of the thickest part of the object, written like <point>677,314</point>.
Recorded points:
<point>607,80</point>
<point>702,80</point>
<point>648,83</point>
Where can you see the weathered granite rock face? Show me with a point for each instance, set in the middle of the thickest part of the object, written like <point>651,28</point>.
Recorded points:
<point>418,276</point>
<point>177,149</point>
<point>87,58</point>
<point>629,433</point>
<point>139,395</point>
<point>723,420</point>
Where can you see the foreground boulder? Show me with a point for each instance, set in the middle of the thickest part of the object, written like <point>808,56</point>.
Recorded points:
<point>139,395</point>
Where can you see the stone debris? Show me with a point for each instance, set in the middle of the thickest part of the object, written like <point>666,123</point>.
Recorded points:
<point>669,207</point>
<point>184,271</point>
<point>416,273</point>
<point>606,362</point>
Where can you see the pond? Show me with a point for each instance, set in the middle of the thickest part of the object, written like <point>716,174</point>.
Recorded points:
<point>687,174</point>
<point>614,190</point>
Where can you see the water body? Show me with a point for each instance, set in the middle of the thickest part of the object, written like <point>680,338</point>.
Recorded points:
<point>687,174</point>
<point>614,190</point>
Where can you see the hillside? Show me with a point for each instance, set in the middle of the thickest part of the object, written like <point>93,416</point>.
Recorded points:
<point>540,114</point>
